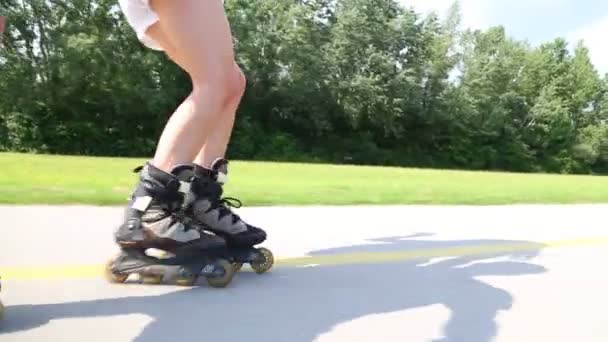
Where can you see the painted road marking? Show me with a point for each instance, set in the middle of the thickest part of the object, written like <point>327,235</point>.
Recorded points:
<point>95,271</point>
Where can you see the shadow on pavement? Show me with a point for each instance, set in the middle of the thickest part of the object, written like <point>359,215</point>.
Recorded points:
<point>298,304</point>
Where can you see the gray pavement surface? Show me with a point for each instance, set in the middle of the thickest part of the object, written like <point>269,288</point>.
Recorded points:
<point>379,273</point>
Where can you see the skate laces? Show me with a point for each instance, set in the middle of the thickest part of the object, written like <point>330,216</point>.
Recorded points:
<point>223,205</point>
<point>231,202</point>
<point>212,192</point>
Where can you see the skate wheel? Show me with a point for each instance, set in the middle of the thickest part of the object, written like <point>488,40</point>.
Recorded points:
<point>224,280</point>
<point>112,276</point>
<point>185,281</point>
<point>264,265</point>
<point>152,279</point>
<point>236,266</point>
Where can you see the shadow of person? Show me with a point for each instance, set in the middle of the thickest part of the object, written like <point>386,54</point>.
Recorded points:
<point>298,304</point>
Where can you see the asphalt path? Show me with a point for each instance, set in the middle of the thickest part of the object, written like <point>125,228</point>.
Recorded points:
<point>352,273</point>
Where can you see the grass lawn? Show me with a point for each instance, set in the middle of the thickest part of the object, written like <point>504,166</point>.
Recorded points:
<point>43,179</point>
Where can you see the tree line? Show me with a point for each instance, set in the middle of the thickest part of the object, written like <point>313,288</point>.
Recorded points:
<point>340,81</point>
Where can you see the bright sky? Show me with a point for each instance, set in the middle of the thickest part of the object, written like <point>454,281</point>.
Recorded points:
<point>536,20</point>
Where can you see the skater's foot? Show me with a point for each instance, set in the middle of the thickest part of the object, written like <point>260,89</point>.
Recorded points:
<point>155,217</point>
<point>210,209</point>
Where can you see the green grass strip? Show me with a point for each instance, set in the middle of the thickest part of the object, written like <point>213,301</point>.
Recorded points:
<point>45,179</point>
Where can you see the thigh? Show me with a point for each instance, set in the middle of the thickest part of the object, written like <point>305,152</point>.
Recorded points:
<point>197,34</point>
<point>160,37</point>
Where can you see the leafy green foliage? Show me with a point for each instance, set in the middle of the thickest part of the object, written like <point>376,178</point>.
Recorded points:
<point>358,81</point>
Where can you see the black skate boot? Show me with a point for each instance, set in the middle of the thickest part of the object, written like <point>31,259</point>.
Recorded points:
<point>155,219</point>
<point>207,207</point>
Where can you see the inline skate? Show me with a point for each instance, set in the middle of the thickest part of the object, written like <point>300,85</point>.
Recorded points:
<point>155,220</point>
<point>210,211</point>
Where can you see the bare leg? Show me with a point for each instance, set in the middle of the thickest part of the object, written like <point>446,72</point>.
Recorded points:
<point>216,144</point>
<point>196,35</point>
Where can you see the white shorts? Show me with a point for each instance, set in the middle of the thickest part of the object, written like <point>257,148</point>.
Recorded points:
<point>140,16</point>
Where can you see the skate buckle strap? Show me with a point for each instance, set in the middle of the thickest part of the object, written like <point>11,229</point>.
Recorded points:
<point>141,203</point>
<point>184,187</point>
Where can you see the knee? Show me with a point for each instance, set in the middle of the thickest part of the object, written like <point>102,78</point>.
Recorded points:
<point>234,86</point>
<point>223,87</point>
<point>241,82</point>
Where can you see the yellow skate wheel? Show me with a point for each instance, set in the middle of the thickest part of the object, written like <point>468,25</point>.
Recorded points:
<point>266,264</point>
<point>151,279</point>
<point>185,281</point>
<point>112,276</point>
<point>236,266</point>
<point>225,279</point>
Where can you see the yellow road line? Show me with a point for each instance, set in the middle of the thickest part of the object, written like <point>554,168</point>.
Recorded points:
<point>95,271</point>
